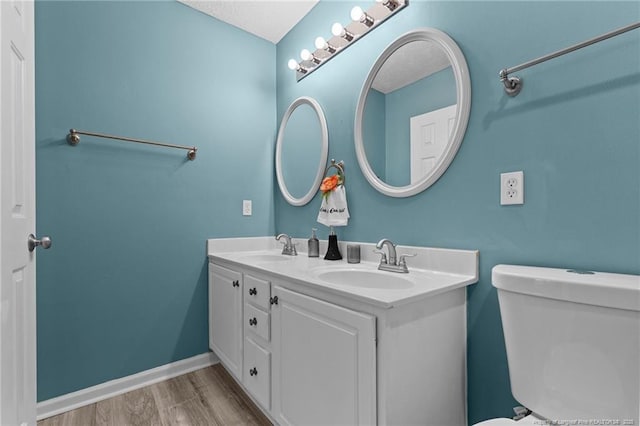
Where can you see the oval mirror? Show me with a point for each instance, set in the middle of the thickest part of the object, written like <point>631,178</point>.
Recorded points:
<point>301,151</point>
<point>412,112</point>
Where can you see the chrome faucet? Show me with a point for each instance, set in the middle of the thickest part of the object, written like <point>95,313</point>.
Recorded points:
<point>394,264</point>
<point>288,248</point>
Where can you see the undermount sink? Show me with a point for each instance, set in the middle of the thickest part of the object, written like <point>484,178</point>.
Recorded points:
<point>364,278</point>
<point>264,257</point>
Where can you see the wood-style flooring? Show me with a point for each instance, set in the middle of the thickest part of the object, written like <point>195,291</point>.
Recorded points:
<point>204,397</point>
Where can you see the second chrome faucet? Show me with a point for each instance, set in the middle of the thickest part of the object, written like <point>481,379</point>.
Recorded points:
<point>393,264</point>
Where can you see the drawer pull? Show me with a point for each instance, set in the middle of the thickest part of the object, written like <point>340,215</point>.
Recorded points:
<point>274,300</point>
<point>253,321</point>
<point>253,291</point>
<point>236,283</point>
<point>253,371</point>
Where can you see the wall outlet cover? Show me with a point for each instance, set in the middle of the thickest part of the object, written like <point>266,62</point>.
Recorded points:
<point>511,188</point>
<point>246,208</point>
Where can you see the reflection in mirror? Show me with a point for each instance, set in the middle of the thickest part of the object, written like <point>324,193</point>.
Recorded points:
<point>301,151</point>
<point>412,112</point>
<point>409,113</point>
<point>301,147</point>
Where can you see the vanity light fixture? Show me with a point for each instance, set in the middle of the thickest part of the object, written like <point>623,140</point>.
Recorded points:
<point>389,4</point>
<point>363,21</point>
<point>308,56</point>
<point>295,66</point>
<point>359,15</point>
<point>339,31</point>
<point>321,44</point>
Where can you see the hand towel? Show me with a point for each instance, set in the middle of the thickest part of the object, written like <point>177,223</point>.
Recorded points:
<point>334,210</point>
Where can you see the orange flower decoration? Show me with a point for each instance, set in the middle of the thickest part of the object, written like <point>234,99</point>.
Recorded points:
<point>329,183</point>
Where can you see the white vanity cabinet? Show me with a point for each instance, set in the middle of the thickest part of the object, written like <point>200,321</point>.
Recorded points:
<point>324,362</point>
<point>312,353</point>
<point>225,317</point>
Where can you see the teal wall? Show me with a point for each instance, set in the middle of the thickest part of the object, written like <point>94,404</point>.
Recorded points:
<point>574,131</point>
<point>124,287</point>
<point>374,132</point>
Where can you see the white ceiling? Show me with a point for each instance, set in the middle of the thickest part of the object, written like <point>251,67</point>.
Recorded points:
<point>268,19</point>
<point>410,63</point>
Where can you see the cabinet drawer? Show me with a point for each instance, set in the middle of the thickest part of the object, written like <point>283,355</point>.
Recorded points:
<point>257,374</point>
<point>257,291</point>
<point>257,321</point>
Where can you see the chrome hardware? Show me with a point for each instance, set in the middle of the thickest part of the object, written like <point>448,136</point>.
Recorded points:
<point>394,264</point>
<point>274,300</point>
<point>391,248</point>
<point>235,283</point>
<point>402,260</point>
<point>73,139</point>
<point>253,371</point>
<point>513,85</point>
<point>289,248</point>
<point>383,258</point>
<point>339,166</point>
<point>253,321</point>
<point>253,291</point>
<point>33,242</point>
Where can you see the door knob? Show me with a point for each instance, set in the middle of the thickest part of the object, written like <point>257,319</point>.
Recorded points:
<point>33,242</point>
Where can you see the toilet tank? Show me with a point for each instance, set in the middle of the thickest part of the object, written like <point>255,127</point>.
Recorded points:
<point>573,343</point>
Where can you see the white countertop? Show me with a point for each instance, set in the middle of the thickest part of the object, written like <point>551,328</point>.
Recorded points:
<point>433,271</point>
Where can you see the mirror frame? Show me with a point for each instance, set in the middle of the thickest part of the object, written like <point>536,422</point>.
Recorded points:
<point>463,96</point>
<point>324,151</point>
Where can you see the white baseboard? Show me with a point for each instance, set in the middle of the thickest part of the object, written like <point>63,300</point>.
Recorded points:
<point>71,401</point>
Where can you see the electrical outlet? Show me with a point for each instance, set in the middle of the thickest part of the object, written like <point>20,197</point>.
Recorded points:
<point>246,207</point>
<point>511,188</point>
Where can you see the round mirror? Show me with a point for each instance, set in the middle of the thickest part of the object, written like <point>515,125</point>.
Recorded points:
<point>412,112</point>
<point>301,151</point>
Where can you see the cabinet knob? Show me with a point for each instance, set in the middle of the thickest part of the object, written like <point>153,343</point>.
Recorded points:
<point>253,291</point>
<point>253,321</point>
<point>253,371</point>
<point>236,283</point>
<point>274,300</point>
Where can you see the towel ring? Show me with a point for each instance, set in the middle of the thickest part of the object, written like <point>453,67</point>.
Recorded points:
<point>339,166</point>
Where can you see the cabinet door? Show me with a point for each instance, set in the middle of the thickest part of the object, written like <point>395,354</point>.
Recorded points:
<point>324,362</point>
<point>257,372</point>
<point>225,317</point>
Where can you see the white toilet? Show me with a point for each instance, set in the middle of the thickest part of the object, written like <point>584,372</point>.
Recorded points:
<point>573,345</point>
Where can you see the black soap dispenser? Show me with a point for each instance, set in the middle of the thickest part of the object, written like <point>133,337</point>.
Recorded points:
<point>333,252</point>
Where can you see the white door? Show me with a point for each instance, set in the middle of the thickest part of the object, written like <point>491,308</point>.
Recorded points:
<point>225,317</point>
<point>324,362</point>
<point>429,136</point>
<point>17,215</point>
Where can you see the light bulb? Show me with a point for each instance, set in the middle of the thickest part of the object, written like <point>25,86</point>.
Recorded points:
<point>293,64</point>
<point>337,29</point>
<point>357,13</point>
<point>305,55</point>
<point>321,43</point>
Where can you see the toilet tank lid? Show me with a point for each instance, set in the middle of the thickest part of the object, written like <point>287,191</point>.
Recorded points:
<point>619,291</point>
